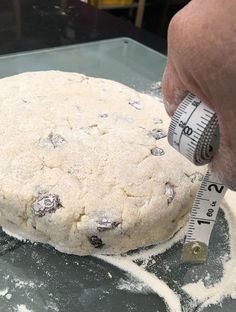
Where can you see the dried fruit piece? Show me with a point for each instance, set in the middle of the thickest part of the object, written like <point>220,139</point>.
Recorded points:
<point>136,104</point>
<point>157,134</point>
<point>104,115</point>
<point>46,203</point>
<point>106,224</point>
<point>196,176</point>
<point>169,192</point>
<point>96,241</point>
<point>157,151</point>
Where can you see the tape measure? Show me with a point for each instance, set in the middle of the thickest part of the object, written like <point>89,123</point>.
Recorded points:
<point>194,132</point>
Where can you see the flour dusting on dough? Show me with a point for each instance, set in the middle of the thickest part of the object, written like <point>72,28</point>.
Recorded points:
<point>98,175</point>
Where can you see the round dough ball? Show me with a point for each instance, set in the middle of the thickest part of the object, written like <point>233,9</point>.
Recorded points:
<point>86,167</point>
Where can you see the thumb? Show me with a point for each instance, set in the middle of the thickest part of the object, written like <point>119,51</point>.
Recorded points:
<point>173,89</point>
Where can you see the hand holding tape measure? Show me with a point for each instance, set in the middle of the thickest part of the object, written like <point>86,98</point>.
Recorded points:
<point>201,59</point>
<point>194,132</point>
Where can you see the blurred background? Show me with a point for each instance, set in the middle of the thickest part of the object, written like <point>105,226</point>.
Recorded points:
<point>35,24</point>
<point>152,15</point>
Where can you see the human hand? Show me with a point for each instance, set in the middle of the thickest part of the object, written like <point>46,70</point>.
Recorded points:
<point>202,60</point>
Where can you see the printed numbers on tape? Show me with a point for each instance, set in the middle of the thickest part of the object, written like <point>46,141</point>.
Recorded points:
<point>194,132</point>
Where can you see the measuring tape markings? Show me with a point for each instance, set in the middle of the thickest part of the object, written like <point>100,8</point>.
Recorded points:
<point>191,137</point>
<point>194,132</point>
<point>205,209</point>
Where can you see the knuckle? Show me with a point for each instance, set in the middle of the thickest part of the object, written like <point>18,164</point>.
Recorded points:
<point>175,26</point>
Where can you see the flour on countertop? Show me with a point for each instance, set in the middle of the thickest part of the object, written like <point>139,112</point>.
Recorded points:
<point>201,294</point>
<point>21,284</point>
<point>109,274</point>
<point>3,292</point>
<point>150,280</point>
<point>23,308</point>
<point>133,285</point>
<point>226,287</point>
<point>8,296</point>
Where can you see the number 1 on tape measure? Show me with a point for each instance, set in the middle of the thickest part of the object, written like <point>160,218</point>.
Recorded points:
<point>194,132</point>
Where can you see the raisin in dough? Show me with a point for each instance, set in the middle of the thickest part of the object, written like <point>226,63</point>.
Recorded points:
<point>85,165</point>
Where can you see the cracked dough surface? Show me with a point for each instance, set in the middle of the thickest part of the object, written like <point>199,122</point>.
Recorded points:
<point>85,165</point>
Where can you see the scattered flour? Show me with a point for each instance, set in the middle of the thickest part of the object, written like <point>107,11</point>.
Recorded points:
<point>133,285</point>
<point>8,296</point>
<point>150,280</point>
<point>51,306</point>
<point>3,292</point>
<point>109,274</point>
<point>20,283</point>
<point>22,308</point>
<point>143,281</point>
<point>226,287</point>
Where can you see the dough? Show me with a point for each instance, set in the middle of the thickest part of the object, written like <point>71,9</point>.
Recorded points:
<point>85,165</point>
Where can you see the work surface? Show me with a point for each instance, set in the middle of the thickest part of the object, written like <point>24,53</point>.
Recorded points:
<point>38,278</point>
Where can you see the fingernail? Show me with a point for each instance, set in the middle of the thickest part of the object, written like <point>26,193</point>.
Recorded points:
<point>180,95</point>
<point>170,108</point>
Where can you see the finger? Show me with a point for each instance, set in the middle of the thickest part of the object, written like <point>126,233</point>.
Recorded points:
<point>173,90</point>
